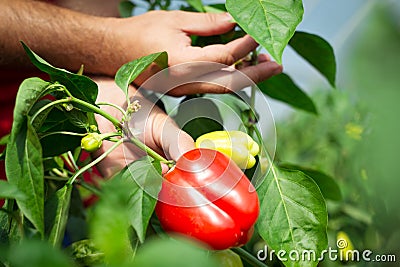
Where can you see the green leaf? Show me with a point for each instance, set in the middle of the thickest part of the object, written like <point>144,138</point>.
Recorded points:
<point>125,8</point>
<point>24,167</point>
<point>56,209</point>
<point>79,86</point>
<point>30,91</point>
<point>270,23</point>
<point>225,38</point>
<point>8,190</point>
<point>41,117</point>
<point>78,118</point>
<point>197,127</point>
<point>147,179</point>
<point>109,222</point>
<point>328,186</point>
<point>198,115</point>
<point>169,253</point>
<point>127,200</point>
<point>281,87</point>
<point>77,225</point>
<point>58,121</point>
<point>131,70</point>
<point>196,4</point>
<point>34,253</point>
<point>318,52</point>
<point>293,214</point>
<point>11,229</point>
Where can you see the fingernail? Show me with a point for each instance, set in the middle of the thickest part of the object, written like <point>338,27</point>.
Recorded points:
<point>229,18</point>
<point>278,70</point>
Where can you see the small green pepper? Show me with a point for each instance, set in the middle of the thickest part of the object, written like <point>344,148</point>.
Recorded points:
<point>91,142</point>
<point>227,258</point>
<point>237,145</point>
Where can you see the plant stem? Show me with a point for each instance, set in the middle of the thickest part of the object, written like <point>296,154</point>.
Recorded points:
<point>95,109</point>
<point>114,106</point>
<point>94,162</point>
<point>89,187</point>
<point>254,61</point>
<point>62,132</point>
<point>264,150</point>
<point>71,158</point>
<point>149,151</point>
<point>107,136</point>
<point>99,111</point>
<point>249,258</point>
<point>56,102</point>
<point>55,178</point>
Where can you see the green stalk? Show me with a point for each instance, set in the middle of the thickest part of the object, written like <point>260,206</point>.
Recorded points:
<point>55,178</point>
<point>90,188</point>
<point>254,61</point>
<point>248,257</point>
<point>94,162</point>
<point>71,158</point>
<point>62,132</point>
<point>263,151</point>
<point>149,151</point>
<point>95,109</point>
<point>99,111</point>
<point>54,103</point>
<point>114,106</point>
<point>107,136</point>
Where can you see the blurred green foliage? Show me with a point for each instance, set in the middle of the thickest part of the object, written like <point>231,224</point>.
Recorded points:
<point>355,139</point>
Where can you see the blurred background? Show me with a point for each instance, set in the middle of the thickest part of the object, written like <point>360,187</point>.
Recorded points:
<point>355,137</point>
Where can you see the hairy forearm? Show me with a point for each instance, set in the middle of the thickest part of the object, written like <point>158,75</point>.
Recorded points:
<point>63,37</point>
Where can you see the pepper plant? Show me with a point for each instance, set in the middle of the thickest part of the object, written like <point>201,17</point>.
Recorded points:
<point>55,119</point>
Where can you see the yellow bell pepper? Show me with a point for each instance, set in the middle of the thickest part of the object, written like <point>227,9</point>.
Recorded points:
<point>346,248</point>
<point>237,145</point>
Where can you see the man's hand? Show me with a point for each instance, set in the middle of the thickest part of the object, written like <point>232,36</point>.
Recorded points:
<point>170,31</point>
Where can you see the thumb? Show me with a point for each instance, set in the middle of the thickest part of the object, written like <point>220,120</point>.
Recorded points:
<point>206,24</point>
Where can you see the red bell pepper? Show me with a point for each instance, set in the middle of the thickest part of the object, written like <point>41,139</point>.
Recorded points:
<point>207,197</point>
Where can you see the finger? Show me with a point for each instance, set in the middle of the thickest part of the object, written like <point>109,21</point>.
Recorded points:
<point>164,168</point>
<point>205,24</point>
<point>229,80</point>
<point>262,71</point>
<point>174,141</point>
<point>263,58</point>
<point>226,54</point>
<point>246,62</point>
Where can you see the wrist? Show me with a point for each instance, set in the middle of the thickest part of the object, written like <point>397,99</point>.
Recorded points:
<point>120,46</point>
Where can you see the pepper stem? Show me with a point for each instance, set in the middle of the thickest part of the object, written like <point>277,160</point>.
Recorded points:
<point>254,61</point>
<point>149,151</point>
<point>94,162</point>
<point>249,258</point>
